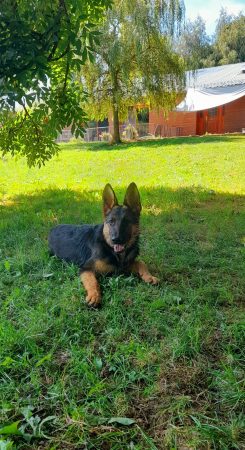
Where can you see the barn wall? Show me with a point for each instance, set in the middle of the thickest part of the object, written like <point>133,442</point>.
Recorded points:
<point>183,123</point>
<point>234,117</point>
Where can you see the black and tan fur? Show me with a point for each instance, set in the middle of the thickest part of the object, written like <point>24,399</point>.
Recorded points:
<point>111,247</point>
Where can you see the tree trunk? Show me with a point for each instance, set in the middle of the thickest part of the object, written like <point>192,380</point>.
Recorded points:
<point>116,132</point>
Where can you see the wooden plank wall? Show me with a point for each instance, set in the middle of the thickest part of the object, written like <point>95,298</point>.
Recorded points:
<point>234,117</point>
<point>184,120</point>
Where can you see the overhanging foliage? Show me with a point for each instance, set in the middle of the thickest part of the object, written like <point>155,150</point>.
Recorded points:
<point>42,44</point>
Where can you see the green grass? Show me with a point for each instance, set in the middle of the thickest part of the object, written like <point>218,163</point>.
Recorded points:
<point>170,358</point>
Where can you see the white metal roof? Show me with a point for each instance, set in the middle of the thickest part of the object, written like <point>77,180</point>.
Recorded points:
<point>221,76</point>
<point>206,98</point>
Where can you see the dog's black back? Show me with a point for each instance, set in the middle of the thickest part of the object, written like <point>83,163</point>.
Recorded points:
<point>84,245</point>
<point>73,243</point>
<point>109,247</point>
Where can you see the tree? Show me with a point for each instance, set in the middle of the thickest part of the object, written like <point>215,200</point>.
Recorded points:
<point>229,46</point>
<point>135,61</point>
<point>194,44</point>
<point>42,44</point>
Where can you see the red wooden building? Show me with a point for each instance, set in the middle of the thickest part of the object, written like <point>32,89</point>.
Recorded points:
<point>214,103</point>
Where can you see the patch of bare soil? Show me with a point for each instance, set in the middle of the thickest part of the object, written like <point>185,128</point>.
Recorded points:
<point>182,390</point>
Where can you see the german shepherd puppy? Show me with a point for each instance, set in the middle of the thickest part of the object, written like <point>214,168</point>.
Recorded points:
<point>111,247</point>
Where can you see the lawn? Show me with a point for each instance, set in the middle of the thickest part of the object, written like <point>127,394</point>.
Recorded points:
<point>155,367</point>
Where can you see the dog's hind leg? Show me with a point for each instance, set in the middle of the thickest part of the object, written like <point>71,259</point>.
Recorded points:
<point>92,287</point>
<point>140,268</point>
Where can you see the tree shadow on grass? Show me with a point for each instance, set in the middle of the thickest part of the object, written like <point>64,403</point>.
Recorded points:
<point>160,205</point>
<point>192,239</point>
<point>183,231</point>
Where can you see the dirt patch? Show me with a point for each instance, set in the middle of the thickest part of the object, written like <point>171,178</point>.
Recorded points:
<point>181,391</point>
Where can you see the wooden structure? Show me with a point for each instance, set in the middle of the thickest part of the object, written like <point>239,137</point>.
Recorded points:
<point>223,89</point>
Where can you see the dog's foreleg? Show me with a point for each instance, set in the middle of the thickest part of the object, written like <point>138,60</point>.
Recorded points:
<point>92,287</point>
<point>140,268</point>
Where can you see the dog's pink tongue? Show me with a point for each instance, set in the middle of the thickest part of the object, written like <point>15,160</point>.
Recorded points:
<point>118,248</point>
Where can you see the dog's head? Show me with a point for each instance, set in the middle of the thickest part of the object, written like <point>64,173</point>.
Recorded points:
<point>121,222</point>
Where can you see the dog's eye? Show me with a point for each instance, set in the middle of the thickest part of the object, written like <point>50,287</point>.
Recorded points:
<point>112,221</point>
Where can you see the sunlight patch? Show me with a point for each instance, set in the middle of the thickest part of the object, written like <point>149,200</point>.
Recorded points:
<point>153,210</point>
<point>7,202</point>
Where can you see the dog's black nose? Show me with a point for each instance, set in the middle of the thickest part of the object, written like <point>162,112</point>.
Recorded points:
<point>115,240</point>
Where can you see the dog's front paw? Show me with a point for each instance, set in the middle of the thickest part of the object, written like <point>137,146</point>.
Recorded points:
<point>152,280</point>
<point>93,298</point>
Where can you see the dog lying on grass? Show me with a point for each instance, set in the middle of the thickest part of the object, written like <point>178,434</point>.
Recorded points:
<point>111,247</point>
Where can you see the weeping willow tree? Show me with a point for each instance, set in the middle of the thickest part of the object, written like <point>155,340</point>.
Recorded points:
<point>135,61</point>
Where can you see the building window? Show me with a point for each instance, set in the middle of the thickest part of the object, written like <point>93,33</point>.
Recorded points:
<point>143,115</point>
<point>212,112</point>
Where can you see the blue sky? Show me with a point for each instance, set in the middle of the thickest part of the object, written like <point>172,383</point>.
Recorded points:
<point>209,10</point>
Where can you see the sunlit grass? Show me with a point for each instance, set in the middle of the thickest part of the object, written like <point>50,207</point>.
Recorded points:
<point>174,163</point>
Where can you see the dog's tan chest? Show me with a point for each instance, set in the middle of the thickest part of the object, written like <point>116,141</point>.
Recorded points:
<point>101,266</point>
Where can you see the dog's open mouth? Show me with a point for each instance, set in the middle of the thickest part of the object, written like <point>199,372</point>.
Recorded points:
<point>118,248</point>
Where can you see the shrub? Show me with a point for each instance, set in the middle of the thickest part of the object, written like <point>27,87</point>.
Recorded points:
<point>130,132</point>
<point>106,137</point>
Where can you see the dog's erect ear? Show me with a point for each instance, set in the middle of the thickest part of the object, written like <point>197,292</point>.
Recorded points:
<point>132,198</point>
<point>109,199</point>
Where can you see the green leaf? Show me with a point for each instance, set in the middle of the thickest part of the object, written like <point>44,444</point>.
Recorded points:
<point>91,56</point>
<point>7,362</point>
<point>98,363</point>
<point>7,265</point>
<point>84,55</point>
<point>45,358</point>
<point>11,429</point>
<point>126,421</point>
<point>27,411</point>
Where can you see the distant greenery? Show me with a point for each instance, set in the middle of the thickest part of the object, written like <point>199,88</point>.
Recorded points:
<point>194,44</point>
<point>226,46</point>
<point>229,45</point>
<point>156,367</point>
<point>41,45</point>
